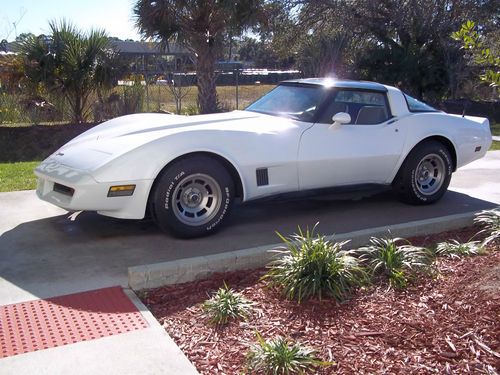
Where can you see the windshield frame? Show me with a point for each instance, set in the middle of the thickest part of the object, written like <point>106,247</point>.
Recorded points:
<point>317,112</point>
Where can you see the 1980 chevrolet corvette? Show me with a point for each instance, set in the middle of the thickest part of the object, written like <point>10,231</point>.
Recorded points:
<point>304,135</point>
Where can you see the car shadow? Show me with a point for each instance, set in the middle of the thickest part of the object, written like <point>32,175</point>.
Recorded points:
<point>59,255</point>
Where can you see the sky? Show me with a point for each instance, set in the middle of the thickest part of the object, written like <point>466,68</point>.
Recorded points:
<point>115,16</point>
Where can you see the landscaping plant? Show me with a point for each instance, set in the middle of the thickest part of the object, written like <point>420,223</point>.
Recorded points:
<point>455,249</point>
<point>311,266</point>
<point>278,356</point>
<point>490,220</point>
<point>225,305</point>
<point>398,263</point>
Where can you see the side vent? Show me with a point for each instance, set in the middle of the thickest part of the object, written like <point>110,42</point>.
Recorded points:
<point>262,177</point>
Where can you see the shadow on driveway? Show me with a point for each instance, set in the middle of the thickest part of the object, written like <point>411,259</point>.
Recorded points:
<point>56,255</point>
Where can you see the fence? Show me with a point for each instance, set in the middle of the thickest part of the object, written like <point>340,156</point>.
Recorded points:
<point>235,90</point>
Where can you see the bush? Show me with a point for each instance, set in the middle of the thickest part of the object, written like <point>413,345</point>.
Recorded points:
<point>490,220</point>
<point>226,305</point>
<point>133,98</point>
<point>310,266</point>
<point>455,249</point>
<point>11,110</point>
<point>278,356</point>
<point>397,262</point>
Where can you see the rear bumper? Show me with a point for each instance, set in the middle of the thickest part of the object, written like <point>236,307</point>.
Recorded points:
<point>76,190</point>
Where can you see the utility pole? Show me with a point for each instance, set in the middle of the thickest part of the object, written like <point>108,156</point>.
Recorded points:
<point>14,24</point>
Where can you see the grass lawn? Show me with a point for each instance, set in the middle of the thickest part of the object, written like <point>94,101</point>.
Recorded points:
<point>495,130</point>
<point>17,176</point>
<point>160,97</point>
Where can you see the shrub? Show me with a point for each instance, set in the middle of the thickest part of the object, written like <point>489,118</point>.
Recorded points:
<point>279,356</point>
<point>11,110</point>
<point>226,305</point>
<point>397,262</point>
<point>490,220</point>
<point>133,98</point>
<point>455,249</point>
<point>311,266</point>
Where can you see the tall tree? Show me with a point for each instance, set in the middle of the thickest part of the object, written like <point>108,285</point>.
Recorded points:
<point>488,58</point>
<point>200,25</point>
<point>403,42</point>
<point>68,61</point>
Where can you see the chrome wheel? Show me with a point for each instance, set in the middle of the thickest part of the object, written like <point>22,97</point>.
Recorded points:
<point>196,199</point>
<point>430,174</point>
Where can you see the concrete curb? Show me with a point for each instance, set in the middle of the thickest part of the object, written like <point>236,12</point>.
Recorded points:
<point>178,362</point>
<point>190,269</point>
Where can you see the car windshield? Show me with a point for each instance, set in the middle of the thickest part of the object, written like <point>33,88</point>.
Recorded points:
<point>294,101</point>
<point>415,105</point>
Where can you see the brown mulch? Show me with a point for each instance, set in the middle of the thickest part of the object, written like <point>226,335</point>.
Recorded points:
<point>448,325</point>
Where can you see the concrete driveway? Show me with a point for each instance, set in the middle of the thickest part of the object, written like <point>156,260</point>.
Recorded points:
<point>45,252</point>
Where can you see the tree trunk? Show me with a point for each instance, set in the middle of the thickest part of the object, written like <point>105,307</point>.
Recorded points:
<point>205,74</point>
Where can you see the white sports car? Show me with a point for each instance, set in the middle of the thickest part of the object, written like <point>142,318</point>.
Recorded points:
<point>304,135</point>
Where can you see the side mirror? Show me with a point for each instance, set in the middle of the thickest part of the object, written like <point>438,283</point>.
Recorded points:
<point>341,118</point>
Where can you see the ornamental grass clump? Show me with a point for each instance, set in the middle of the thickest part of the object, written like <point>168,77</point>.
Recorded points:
<point>399,263</point>
<point>490,220</point>
<point>279,356</point>
<point>455,249</point>
<point>226,305</point>
<point>310,266</point>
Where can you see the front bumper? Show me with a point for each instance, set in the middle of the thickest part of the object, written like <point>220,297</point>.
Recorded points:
<point>76,190</point>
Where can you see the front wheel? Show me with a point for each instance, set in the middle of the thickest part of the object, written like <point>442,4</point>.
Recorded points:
<point>425,175</point>
<point>192,197</point>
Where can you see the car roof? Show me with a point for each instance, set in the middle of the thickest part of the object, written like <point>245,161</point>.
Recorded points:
<point>333,82</point>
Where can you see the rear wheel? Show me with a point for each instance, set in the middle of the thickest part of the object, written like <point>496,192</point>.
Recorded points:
<point>192,197</point>
<point>425,175</point>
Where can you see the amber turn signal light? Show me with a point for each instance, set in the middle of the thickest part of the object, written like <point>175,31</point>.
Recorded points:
<point>121,190</point>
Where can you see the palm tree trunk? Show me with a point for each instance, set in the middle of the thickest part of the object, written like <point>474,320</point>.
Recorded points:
<point>205,74</point>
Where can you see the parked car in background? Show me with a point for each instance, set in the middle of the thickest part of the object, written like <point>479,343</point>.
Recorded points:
<point>307,135</point>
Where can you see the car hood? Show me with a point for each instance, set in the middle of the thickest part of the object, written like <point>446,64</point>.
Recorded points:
<point>113,138</point>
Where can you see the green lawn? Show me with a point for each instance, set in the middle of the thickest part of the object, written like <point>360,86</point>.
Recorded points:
<point>495,130</point>
<point>17,176</point>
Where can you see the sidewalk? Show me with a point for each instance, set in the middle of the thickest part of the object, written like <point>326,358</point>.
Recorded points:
<point>144,349</point>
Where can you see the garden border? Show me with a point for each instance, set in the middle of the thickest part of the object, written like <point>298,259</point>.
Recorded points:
<point>190,269</point>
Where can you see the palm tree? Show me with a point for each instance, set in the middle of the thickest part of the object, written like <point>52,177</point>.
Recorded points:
<point>201,26</point>
<point>70,62</point>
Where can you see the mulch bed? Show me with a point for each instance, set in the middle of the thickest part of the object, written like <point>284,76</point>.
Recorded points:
<point>449,324</point>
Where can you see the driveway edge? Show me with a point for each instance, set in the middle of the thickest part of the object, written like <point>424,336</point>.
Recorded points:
<point>178,363</point>
<point>190,269</point>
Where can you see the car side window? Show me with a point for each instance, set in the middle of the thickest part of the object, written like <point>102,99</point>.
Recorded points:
<point>364,107</point>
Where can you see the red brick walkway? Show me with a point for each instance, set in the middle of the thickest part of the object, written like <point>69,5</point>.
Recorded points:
<point>63,320</point>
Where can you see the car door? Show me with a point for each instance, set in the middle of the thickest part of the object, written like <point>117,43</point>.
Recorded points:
<point>364,151</point>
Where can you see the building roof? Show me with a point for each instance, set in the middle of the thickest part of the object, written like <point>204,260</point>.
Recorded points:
<point>147,48</point>
<point>346,84</point>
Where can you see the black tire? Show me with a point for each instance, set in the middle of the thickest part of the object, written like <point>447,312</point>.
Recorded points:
<point>192,197</point>
<point>425,174</point>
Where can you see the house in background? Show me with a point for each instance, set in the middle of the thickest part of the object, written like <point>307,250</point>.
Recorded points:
<point>152,59</point>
